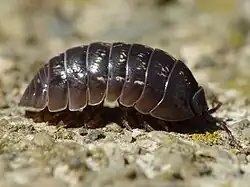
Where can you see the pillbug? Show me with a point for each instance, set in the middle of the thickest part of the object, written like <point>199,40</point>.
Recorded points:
<point>134,75</point>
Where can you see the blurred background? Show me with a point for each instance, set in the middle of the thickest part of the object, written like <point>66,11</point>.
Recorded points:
<point>212,37</point>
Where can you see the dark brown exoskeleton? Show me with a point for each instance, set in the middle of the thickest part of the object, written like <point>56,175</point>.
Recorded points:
<point>135,75</point>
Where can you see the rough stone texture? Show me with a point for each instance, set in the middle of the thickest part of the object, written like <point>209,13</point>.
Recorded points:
<point>214,44</point>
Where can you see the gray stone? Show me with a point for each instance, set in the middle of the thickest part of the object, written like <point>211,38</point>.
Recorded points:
<point>34,152</point>
<point>43,139</point>
<point>47,181</point>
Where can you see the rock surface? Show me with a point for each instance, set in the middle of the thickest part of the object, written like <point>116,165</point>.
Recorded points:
<point>214,44</point>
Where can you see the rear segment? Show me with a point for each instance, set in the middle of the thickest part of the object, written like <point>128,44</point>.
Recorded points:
<point>77,77</point>
<point>35,97</point>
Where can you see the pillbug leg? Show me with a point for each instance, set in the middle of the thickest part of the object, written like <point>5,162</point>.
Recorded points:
<point>125,119</point>
<point>144,122</point>
<point>214,101</point>
<point>152,124</point>
<point>93,117</point>
<point>164,125</point>
<point>95,122</point>
<point>125,123</point>
<point>215,108</point>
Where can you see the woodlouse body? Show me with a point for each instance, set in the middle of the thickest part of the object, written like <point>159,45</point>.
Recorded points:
<point>135,75</point>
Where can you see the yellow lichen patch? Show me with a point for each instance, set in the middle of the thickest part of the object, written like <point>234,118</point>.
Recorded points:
<point>169,139</point>
<point>63,133</point>
<point>212,6</point>
<point>208,138</point>
<point>236,39</point>
<point>80,1</point>
<point>235,151</point>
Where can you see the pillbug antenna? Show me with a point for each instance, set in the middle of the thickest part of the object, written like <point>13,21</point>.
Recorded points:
<point>214,109</point>
<point>222,124</point>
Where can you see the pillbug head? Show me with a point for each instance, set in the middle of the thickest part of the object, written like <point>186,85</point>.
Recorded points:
<point>199,103</point>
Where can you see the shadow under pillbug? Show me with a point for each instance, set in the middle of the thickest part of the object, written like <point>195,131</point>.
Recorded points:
<point>134,75</point>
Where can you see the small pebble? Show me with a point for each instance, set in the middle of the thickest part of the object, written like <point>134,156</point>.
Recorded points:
<point>3,168</point>
<point>246,133</point>
<point>83,131</point>
<point>94,135</point>
<point>113,127</point>
<point>42,139</point>
<point>242,124</point>
<point>127,136</point>
<point>23,176</point>
<point>47,182</point>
